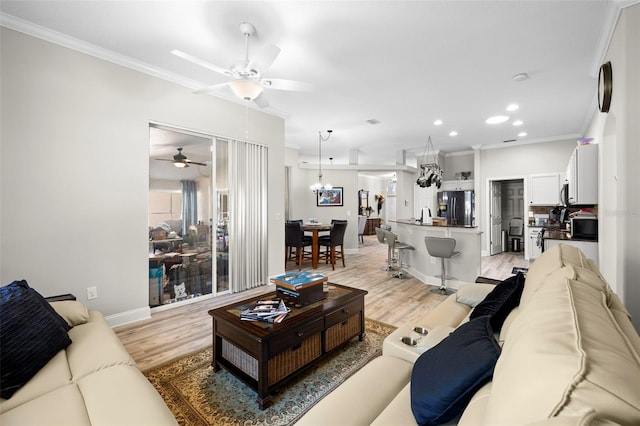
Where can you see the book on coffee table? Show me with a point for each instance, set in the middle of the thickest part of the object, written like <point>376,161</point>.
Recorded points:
<point>299,280</point>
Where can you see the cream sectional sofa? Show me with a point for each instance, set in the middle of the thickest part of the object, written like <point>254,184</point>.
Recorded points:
<point>569,356</point>
<point>94,381</point>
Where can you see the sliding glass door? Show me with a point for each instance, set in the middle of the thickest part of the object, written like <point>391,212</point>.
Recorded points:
<point>188,215</point>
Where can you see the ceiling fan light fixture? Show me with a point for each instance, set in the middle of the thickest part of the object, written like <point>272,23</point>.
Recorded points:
<point>246,89</point>
<point>180,164</point>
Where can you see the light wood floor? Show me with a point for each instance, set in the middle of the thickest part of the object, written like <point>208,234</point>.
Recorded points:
<point>179,331</point>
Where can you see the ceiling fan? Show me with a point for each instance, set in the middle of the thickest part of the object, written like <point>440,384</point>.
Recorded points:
<point>248,74</point>
<point>181,160</point>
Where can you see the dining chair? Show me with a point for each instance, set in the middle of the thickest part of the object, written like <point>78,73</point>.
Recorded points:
<point>362,223</point>
<point>333,242</point>
<point>294,238</point>
<point>307,238</point>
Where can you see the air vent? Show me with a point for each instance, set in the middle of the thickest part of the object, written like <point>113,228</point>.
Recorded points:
<point>373,121</point>
<point>509,140</point>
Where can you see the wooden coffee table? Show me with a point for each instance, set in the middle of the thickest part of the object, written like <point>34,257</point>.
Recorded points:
<point>265,356</point>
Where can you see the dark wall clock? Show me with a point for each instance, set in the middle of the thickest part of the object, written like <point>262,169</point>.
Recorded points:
<point>605,87</point>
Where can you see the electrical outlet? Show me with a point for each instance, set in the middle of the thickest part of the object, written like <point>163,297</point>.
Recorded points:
<point>92,293</point>
<point>433,260</point>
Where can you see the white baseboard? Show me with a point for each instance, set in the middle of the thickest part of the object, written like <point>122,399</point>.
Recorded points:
<point>128,317</point>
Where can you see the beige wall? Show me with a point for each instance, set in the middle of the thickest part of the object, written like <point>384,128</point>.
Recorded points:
<point>618,133</point>
<point>74,176</point>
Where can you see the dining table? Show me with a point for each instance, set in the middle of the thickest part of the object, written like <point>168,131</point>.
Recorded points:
<point>315,229</point>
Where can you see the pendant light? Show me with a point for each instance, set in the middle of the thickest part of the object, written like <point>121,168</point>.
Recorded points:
<point>319,185</point>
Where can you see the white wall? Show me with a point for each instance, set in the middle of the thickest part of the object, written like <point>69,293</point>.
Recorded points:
<point>618,132</point>
<point>75,159</point>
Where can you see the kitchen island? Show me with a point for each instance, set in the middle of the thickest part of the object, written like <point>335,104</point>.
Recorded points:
<point>465,267</point>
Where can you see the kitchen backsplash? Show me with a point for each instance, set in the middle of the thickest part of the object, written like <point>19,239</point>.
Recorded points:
<point>537,211</point>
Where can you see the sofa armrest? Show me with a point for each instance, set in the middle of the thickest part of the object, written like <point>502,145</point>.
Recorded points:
<point>73,312</point>
<point>472,294</point>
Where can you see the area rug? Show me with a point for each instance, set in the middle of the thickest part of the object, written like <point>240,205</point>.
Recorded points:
<point>198,396</point>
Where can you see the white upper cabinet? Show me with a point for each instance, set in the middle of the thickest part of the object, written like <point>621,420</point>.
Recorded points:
<point>544,189</point>
<point>456,185</point>
<point>582,175</point>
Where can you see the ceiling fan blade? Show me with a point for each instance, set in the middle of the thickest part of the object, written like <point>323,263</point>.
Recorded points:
<point>263,59</point>
<point>283,84</point>
<point>195,162</point>
<point>164,159</point>
<point>261,101</point>
<point>201,62</point>
<point>211,89</point>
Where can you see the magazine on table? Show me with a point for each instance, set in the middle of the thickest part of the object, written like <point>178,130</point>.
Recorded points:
<point>271,310</point>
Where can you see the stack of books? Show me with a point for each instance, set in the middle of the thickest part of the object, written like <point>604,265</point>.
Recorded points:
<point>300,288</point>
<point>272,311</point>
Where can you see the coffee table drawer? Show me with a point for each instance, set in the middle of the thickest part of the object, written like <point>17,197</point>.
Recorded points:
<point>295,357</point>
<point>339,333</point>
<point>291,337</point>
<point>343,313</point>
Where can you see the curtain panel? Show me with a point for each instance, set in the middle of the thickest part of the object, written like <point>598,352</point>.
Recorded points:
<point>189,205</point>
<point>247,215</point>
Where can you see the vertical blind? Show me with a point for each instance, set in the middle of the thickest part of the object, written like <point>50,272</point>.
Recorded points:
<point>247,215</point>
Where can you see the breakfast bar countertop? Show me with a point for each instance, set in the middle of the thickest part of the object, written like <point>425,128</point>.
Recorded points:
<point>418,223</point>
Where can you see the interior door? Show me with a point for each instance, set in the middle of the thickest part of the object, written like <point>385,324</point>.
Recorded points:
<point>496,218</point>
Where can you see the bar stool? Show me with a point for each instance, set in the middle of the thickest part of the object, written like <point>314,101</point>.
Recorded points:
<point>394,244</point>
<point>382,240</point>
<point>442,248</point>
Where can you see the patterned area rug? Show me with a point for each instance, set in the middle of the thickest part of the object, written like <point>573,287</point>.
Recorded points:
<point>198,396</point>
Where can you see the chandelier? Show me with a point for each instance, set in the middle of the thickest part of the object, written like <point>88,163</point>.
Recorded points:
<point>430,171</point>
<point>319,185</point>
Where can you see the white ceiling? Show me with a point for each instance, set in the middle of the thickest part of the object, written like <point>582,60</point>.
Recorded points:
<point>404,63</point>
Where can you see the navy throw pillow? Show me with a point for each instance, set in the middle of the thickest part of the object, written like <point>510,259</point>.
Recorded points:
<point>445,377</point>
<point>29,336</point>
<point>501,301</point>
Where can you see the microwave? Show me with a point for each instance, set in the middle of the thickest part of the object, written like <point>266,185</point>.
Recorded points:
<point>584,227</point>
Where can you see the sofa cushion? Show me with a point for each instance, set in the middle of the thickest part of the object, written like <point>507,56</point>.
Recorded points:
<point>500,301</point>
<point>62,406</point>
<point>30,335</point>
<point>121,395</point>
<point>445,377</point>
<point>54,375</point>
<point>573,356</point>
<point>551,264</point>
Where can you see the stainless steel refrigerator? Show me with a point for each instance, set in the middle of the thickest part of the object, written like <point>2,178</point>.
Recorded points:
<point>458,207</point>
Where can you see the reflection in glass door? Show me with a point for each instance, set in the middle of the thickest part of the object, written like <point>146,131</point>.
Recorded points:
<point>222,216</point>
<point>188,216</point>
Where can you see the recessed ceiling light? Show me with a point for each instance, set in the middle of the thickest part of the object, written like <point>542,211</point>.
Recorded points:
<point>496,119</point>
<point>373,121</point>
<point>512,107</point>
<point>517,123</point>
<point>453,133</point>
<point>438,122</point>
<point>522,134</point>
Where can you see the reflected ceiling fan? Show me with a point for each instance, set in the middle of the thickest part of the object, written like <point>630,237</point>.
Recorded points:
<point>180,160</point>
<point>248,74</point>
